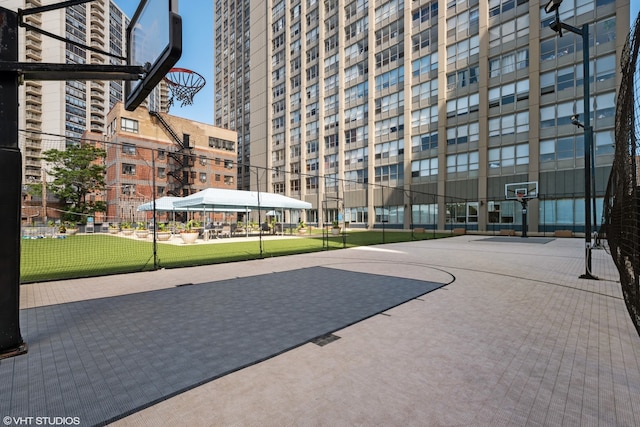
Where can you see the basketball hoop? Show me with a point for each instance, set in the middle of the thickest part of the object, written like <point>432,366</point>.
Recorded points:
<point>183,84</point>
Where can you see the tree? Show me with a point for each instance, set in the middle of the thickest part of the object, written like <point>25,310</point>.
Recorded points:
<point>77,172</point>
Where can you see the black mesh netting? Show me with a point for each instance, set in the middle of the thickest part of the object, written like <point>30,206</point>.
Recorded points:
<point>622,201</point>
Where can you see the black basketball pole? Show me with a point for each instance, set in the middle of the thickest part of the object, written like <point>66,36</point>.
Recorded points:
<point>11,343</point>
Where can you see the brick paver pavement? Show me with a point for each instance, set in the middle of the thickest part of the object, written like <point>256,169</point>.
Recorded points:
<point>516,338</point>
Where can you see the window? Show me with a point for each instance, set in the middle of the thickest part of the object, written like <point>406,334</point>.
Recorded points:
<point>358,27</point>
<point>425,91</point>
<point>355,93</point>
<point>463,78</point>
<point>463,134</point>
<point>509,62</point>
<point>425,64</point>
<point>330,122</point>
<point>203,177</point>
<point>395,30</point>
<point>162,173</point>
<point>425,39</point>
<point>331,64</point>
<point>331,83</point>
<point>361,112</point>
<point>387,56</point>
<point>508,156</point>
<point>392,174</point>
<point>390,126</point>
<point>503,212</point>
<point>426,12</point>
<point>463,24</point>
<point>462,162</point>
<point>391,149</point>
<point>128,189</point>
<point>161,154</point>
<point>424,142</point>
<point>425,117</point>
<point>128,169</point>
<point>423,168</point>
<point>355,71</point>
<point>390,102</point>
<point>552,150</point>
<point>560,114</point>
<point>330,161</point>
<point>500,6</point>
<point>330,103</point>
<point>311,165</point>
<point>463,50</point>
<point>463,105</point>
<point>354,179</point>
<point>390,78</point>
<point>331,141</point>
<point>509,124</point>
<point>357,135</point>
<point>509,31</point>
<point>129,149</point>
<point>311,183</point>
<point>388,10</point>
<point>312,91</point>
<point>353,157</point>
<point>312,72</point>
<point>128,125</point>
<point>354,7</point>
<point>509,93</point>
<point>355,50</point>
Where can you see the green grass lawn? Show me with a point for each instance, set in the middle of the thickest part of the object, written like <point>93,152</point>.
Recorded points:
<point>102,254</point>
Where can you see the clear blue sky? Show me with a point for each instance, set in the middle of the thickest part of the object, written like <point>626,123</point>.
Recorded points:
<point>197,53</point>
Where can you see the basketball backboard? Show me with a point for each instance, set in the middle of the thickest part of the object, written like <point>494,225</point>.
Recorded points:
<point>154,41</point>
<point>521,190</point>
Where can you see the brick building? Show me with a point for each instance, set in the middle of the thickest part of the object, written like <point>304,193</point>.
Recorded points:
<point>150,154</point>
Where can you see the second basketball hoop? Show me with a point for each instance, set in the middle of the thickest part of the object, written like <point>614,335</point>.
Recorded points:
<point>183,85</point>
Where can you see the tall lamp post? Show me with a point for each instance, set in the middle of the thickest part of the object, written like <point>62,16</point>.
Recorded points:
<point>557,26</point>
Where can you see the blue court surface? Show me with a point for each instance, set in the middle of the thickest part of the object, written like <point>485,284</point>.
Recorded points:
<point>100,360</point>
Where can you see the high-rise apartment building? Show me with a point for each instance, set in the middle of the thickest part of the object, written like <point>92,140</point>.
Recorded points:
<point>232,48</point>
<point>417,113</point>
<point>69,108</point>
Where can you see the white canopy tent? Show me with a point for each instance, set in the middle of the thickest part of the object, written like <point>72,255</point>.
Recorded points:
<point>224,200</point>
<point>239,200</point>
<point>166,204</point>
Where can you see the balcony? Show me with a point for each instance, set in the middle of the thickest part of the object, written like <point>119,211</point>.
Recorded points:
<point>97,96</point>
<point>34,100</point>
<point>34,20</point>
<point>32,88</point>
<point>33,54</point>
<point>36,109</point>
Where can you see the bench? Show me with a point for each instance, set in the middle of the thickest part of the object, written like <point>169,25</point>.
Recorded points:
<point>507,232</point>
<point>563,233</point>
<point>459,231</point>
<point>418,230</point>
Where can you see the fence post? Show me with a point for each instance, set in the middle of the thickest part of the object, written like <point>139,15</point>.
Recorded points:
<point>11,343</point>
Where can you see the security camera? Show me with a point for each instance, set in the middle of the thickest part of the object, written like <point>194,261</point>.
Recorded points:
<point>556,26</point>
<point>552,6</point>
<point>575,120</point>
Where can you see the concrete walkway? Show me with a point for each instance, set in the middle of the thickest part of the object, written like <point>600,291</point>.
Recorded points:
<point>514,338</point>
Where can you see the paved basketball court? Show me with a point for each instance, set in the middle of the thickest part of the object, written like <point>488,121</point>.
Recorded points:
<point>493,332</point>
